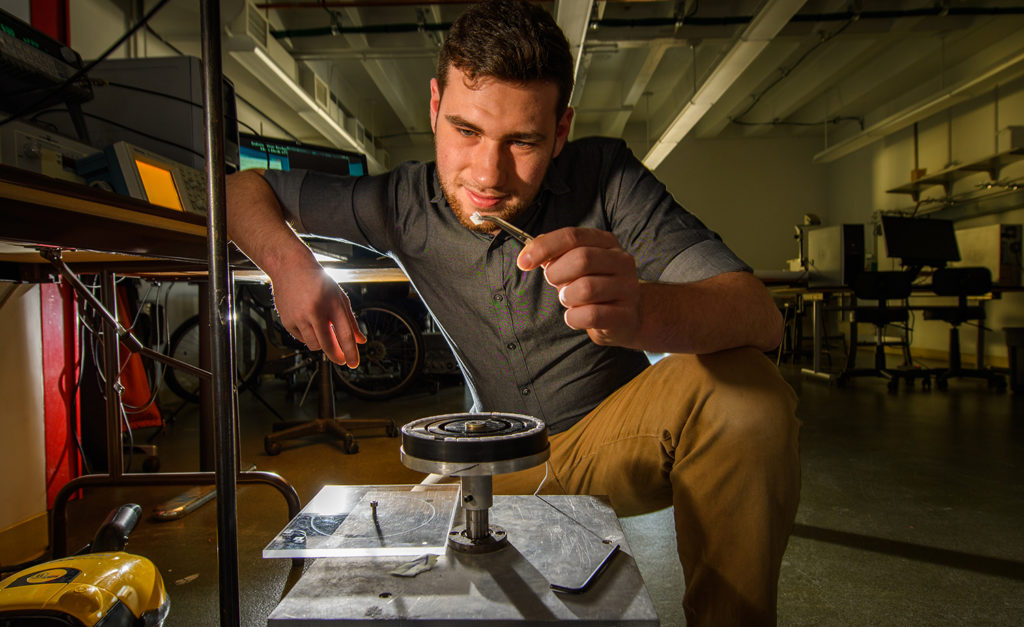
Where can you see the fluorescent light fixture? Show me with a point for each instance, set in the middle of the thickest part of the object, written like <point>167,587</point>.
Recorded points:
<point>755,38</point>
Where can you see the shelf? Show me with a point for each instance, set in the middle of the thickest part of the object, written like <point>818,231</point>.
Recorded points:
<point>992,165</point>
<point>39,210</point>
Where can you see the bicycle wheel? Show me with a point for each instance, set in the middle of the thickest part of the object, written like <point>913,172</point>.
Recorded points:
<point>391,358</point>
<point>250,353</point>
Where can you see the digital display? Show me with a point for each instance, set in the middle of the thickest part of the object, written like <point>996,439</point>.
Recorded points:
<point>278,154</point>
<point>159,185</point>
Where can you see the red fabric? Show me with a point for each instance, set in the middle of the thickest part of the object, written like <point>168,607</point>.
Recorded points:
<point>60,374</point>
<point>51,17</point>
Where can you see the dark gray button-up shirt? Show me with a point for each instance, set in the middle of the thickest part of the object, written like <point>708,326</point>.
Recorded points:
<point>504,325</point>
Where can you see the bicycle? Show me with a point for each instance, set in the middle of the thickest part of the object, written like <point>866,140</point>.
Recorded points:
<point>390,360</point>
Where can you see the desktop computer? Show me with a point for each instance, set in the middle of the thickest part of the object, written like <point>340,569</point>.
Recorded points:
<point>835,255</point>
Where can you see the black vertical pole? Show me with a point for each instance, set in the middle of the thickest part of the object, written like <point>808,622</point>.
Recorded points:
<point>220,316</point>
<point>112,383</point>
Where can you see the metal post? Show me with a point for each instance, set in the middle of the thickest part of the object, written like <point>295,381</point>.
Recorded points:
<point>476,501</point>
<point>220,316</point>
<point>112,383</point>
<point>326,389</point>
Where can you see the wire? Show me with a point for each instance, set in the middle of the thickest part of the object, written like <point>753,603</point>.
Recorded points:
<point>87,67</point>
<point>835,120</point>
<point>542,481</point>
<point>783,73</point>
<point>122,126</point>
<point>149,29</point>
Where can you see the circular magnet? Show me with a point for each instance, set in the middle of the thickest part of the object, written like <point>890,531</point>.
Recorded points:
<point>502,440</point>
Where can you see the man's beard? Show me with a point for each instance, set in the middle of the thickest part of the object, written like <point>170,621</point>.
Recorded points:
<point>506,211</point>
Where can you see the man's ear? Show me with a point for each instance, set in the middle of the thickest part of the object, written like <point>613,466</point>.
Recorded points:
<point>435,103</point>
<point>562,130</point>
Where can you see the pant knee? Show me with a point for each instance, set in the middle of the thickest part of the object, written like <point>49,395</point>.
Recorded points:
<point>738,399</point>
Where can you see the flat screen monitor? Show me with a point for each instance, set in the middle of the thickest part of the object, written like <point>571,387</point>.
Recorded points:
<point>920,241</point>
<point>255,151</point>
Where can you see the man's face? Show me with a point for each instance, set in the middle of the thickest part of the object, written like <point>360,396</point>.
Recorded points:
<point>494,142</point>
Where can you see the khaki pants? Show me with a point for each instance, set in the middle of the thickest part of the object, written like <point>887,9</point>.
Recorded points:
<point>715,436</point>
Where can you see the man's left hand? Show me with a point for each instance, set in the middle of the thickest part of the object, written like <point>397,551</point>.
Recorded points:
<point>596,281</point>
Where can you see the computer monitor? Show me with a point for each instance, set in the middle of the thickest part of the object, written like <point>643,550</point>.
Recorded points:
<point>918,242</point>
<point>255,151</point>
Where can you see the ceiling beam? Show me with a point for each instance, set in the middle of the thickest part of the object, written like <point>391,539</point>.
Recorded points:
<point>738,98</point>
<point>751,43</point>
<point>405,98</point>
<point>837,59</point>
<point>971,78</point>
<point>636,83</point>
<point>807,82</point>
<point>573,17</point>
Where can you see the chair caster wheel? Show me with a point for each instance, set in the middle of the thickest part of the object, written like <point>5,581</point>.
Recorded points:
<point>271,447</point>
<point>351,446</point>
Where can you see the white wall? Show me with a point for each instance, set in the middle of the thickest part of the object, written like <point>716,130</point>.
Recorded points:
<point>750,191</point>
<point>20,9</point>
<point>974,130</point>
<point>95,26</point>
<point>22,447</point>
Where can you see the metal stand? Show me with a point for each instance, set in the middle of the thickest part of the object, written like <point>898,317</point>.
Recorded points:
<point>116,475</point>
<point>475,447</point>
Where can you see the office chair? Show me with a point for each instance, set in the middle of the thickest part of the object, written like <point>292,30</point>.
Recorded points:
<point>881,287</point>
<point>962,283</point>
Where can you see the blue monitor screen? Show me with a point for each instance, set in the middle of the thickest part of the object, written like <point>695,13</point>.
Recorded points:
<point>278,154</point>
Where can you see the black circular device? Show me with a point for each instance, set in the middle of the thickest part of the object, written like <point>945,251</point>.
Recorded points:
<point>469,438</point>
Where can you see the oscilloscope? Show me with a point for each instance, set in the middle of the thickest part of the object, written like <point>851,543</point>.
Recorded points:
<point>145,175</point>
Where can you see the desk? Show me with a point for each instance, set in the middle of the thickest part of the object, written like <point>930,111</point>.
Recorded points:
<point>118,234</point>
<point>824,299</point>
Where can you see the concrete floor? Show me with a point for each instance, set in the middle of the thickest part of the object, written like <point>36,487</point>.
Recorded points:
<point>911,509</point>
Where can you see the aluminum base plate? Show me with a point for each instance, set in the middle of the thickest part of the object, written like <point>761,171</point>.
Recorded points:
<point>506,587</point>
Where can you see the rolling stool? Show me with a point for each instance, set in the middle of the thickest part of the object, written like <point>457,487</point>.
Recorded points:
<point>327,422</point>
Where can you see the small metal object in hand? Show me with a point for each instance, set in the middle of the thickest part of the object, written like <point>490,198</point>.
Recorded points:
<point>516,233</point>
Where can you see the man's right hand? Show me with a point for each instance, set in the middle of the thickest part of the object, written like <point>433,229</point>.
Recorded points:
<point>318,313</point>
<point>312,306</point>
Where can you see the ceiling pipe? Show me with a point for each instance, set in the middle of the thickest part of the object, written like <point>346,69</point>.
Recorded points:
<point>636,23</point>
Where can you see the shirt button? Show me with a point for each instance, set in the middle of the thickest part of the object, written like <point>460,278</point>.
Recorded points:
<point>497,297</point>
<point>511,346</point>
<point>525,391</point>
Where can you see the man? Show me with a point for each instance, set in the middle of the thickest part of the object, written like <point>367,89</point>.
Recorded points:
<point>557,329</point>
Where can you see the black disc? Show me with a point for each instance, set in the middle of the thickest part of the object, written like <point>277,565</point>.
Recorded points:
<point>485,437</point>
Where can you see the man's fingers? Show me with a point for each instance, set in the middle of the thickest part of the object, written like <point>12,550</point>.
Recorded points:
<point>591,290</point>
<point>549,246</point>
<point>588,261</point>
<point>328,343</point>
<point>597,317</point>
<point>347,334</point>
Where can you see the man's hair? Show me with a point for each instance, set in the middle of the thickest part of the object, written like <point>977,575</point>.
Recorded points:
<point>509,40</point>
